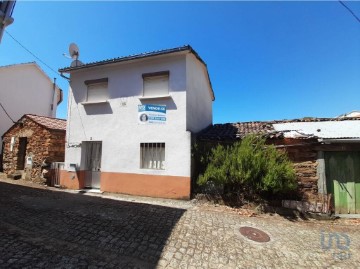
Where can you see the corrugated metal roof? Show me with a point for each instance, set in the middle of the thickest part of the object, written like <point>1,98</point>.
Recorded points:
<point>325,129</point>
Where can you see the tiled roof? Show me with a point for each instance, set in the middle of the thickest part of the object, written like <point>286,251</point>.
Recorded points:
<point>235,131</point>
<point>140,56</point>
<point>133,57</point>
<point>49,123</point>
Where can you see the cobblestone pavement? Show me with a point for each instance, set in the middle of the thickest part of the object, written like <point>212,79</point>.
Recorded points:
<point>41,228</point>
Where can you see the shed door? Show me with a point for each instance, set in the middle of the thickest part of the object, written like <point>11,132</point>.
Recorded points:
<point>343,180</point>
<point>20,165</point>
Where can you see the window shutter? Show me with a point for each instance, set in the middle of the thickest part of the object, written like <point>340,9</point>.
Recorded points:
<point>97,92</point>
<point>156,85</point>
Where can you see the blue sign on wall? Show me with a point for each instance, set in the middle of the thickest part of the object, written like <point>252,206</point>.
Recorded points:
<point>152,114</point>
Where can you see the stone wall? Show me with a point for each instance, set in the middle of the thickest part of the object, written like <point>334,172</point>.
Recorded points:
<point>42,145</point>
<point>304,156</point>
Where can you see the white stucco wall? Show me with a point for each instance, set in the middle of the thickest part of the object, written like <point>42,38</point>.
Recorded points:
<point>116,123</point>
<point>199,98</point>
<point>24,89</point>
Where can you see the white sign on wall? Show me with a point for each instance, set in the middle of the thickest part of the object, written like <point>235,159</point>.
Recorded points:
<point>152,114</point>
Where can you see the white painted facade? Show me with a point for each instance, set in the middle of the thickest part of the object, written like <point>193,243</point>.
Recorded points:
<point>26,89</point>
<point>199,96</point>
<point>115,123</point>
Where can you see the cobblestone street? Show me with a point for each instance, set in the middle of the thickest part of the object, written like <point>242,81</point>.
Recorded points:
<point>42,228</point>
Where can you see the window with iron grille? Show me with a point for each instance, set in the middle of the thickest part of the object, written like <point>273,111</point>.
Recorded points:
<point>152,156</point>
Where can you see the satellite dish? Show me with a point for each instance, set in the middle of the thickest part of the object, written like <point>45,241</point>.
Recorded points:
<point>74,51</point>
<point>74,54</point>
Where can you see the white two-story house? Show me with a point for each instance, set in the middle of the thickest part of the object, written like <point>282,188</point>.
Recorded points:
<point>130,122</point>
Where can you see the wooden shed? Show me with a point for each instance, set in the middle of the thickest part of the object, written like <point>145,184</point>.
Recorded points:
<point>31,145</point>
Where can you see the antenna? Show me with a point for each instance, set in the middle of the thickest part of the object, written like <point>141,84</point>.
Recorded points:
<point>74,54</point>
<point>66,56</point>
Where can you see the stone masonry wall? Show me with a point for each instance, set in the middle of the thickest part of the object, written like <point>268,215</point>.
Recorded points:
<point>42,145</point>
<point>302,153</point>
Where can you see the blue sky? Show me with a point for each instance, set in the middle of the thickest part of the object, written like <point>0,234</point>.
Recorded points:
<point>266,60</point>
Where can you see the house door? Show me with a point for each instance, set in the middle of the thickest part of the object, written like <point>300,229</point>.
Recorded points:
<point>93,164</point>
<point>343,180</point>
<point>20,165</point>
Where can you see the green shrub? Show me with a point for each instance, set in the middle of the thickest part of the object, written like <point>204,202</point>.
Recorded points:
<point>252,165</point>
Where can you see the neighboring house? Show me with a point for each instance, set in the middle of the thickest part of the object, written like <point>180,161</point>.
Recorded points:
<point>325,152</point>
<point>131,119</point>
<point>33,143</point>
<point>26,89</point>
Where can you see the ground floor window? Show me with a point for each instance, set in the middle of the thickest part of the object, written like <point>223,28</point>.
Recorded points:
<point>152,156</point>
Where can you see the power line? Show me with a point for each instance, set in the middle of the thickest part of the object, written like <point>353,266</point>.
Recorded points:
<point>32,53</point>
<point>7,113</point>
<point>352,13</point>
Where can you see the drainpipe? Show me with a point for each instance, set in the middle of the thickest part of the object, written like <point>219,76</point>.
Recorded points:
<point>54,95</point>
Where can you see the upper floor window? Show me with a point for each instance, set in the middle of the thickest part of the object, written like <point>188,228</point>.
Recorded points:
<point>156,84</point>
<point>97,90</point>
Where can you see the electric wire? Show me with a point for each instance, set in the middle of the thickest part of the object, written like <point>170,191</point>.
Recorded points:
<point>348,9</point>
<point>7,114</point>
<point>57,73</point>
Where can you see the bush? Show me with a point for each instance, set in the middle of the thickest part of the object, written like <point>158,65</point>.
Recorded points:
<point>251,165</point>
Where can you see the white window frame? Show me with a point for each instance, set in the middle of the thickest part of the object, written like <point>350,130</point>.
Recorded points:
<point>152,156</point>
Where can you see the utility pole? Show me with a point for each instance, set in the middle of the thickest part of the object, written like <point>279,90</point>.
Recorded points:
<point>6,10</point>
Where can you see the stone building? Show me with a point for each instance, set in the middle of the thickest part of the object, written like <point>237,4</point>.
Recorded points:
<point>325,153</point>
<point>31,145</point>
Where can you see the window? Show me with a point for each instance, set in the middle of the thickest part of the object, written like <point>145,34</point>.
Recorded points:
<point>156,84</point>
<point>152,156</point>
<point>97,90</point>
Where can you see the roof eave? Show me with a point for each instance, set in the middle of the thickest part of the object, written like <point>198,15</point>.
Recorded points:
<point>131,57</point>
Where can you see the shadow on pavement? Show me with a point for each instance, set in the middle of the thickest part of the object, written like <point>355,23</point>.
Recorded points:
<point>53,229</point>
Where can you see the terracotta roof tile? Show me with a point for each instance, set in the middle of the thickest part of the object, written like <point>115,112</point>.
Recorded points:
<point>49,123</point>
<point>238,130</point>
<point>231,131</point>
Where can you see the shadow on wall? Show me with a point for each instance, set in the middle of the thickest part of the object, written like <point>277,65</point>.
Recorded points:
<point>170,104</point>
<point>80,231</point>
<point>98,109</point>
